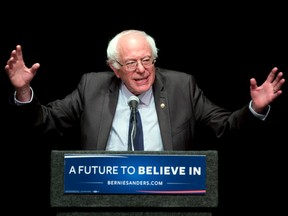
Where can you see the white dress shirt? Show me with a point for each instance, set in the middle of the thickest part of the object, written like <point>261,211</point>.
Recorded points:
<point>118,139</point>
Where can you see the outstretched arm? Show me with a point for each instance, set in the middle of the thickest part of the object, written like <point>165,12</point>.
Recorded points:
<point>19,75</point>
<point>265,94</point>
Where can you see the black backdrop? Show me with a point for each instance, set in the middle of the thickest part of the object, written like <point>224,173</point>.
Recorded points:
<point>222,46</point>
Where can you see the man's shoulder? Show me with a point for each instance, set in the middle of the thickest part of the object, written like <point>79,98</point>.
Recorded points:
<point>99,74</point>
<point>169,72</point>
<point>173,74</point>
<point>99,79</point>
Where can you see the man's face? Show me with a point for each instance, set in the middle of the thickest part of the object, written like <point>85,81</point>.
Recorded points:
<point>137,69</point>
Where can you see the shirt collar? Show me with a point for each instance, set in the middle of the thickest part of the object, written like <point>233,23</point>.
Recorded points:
<point>145,98</point>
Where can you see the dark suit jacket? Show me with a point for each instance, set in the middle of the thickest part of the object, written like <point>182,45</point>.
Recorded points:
<point>180,104</point>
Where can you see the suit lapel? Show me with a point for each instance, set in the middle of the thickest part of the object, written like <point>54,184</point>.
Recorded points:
<point>108,110</point>
<point>162,108</point>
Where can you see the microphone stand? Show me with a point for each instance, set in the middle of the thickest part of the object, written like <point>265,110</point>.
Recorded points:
<point>134,129</point>
<point>133,103</point>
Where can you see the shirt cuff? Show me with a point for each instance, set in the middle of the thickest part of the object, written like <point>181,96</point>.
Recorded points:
<point>259,116</point>
<point>17,102</point>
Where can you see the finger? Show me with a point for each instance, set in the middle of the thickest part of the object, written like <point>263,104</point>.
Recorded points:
<point>35,67</point>
<point>253,84</point>
<point>6,67</point>
<point>19,52</point>
<point>277,93</point>
<point>272,74</point>
<point>10,63</point>
<point>277,79</point>
<point>278,86</point>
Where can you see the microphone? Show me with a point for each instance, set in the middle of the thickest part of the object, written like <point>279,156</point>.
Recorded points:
<point>133,102</point>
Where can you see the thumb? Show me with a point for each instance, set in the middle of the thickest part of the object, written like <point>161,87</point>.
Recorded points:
<point>253,83</point>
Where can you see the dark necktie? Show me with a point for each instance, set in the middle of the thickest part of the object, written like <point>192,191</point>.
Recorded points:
<point>135,131</point>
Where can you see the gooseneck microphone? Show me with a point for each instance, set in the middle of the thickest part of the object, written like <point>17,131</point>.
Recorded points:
<point>133,102</point>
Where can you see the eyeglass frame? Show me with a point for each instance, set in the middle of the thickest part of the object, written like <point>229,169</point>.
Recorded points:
<point>137,63</point>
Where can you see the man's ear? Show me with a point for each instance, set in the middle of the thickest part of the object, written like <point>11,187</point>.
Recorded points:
<point>115,70</point>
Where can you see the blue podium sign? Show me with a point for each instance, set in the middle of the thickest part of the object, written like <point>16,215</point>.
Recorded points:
<point>134,174</point>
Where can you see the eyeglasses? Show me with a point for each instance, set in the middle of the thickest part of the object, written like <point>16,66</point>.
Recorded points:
<point>132,65</point>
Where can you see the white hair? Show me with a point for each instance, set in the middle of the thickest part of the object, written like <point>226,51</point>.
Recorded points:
<point>112,49</point>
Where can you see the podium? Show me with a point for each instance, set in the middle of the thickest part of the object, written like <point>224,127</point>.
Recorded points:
<point>133,204</point>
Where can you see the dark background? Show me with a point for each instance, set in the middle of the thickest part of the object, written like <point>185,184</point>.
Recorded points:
<point>223,46</point>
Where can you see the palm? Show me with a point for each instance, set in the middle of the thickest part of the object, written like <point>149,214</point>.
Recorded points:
<point>263,95</point>
<point>18,73</point>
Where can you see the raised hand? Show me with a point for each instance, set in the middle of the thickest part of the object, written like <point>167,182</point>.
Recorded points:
<point>20,75</point>
<point>265,94</point>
